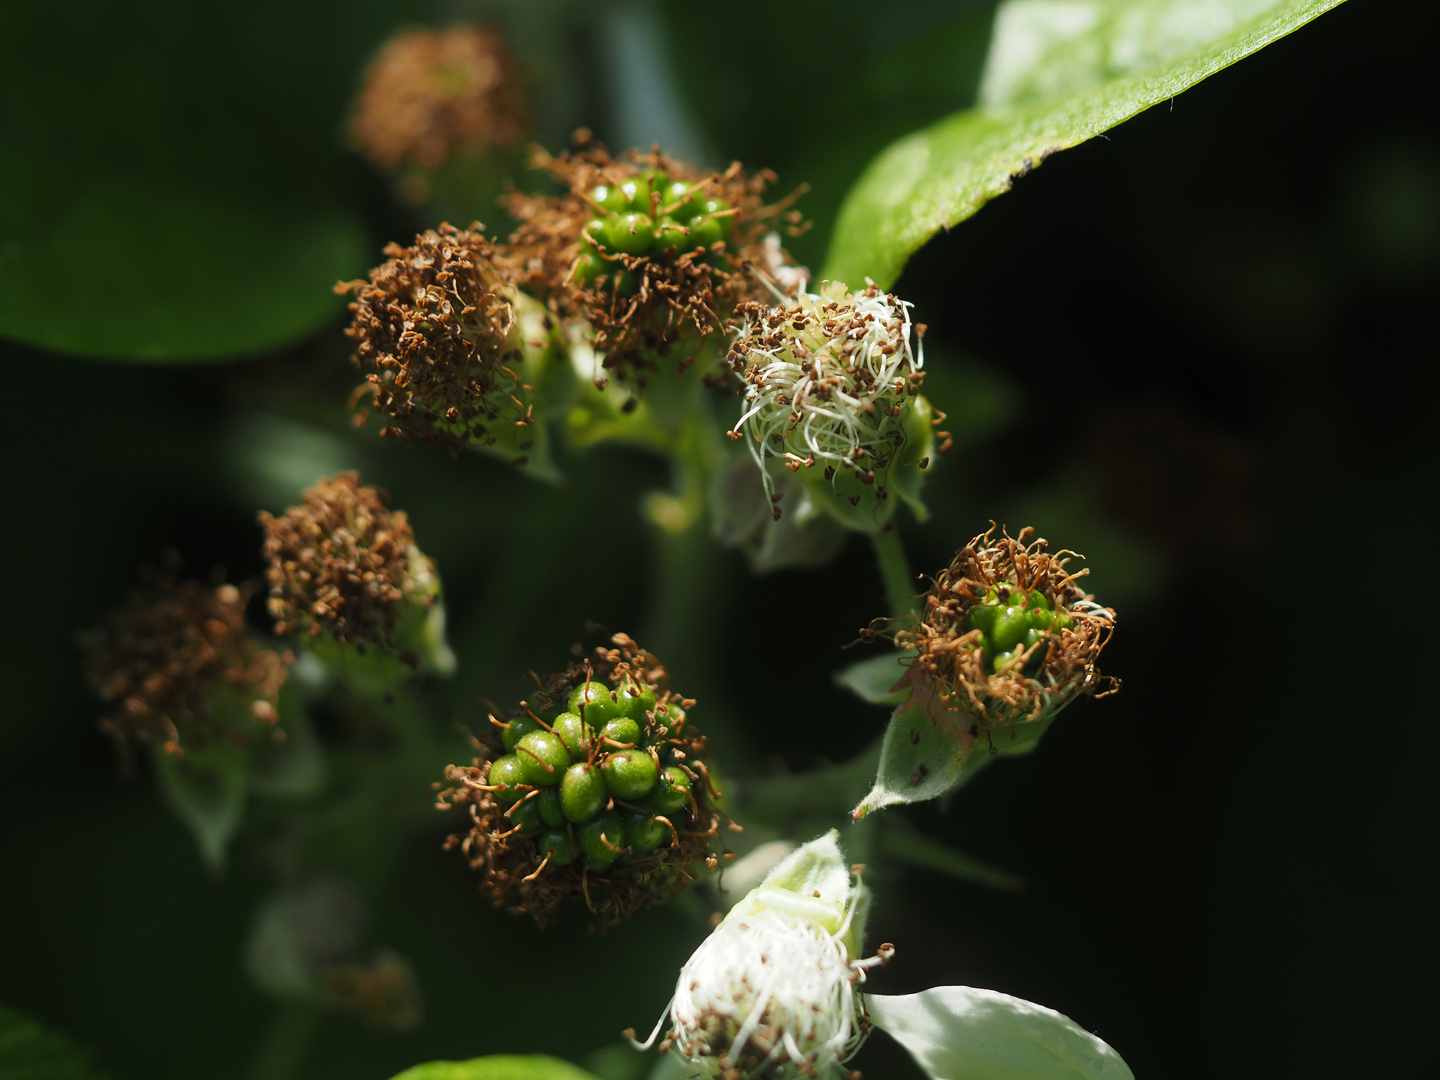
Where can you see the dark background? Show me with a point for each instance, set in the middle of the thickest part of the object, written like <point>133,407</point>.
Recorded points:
<point>1206,349</point>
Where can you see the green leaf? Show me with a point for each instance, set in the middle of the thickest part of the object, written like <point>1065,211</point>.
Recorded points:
<point>873,679</point>
<point>498,1067</point>
<point>1059,72</point>
<point>961,1033</point>
<point>177,191</point>
<point>29,1051</point>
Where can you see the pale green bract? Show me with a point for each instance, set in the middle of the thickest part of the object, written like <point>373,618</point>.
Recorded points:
<point>498,1067</point>
<point>1058,73</point>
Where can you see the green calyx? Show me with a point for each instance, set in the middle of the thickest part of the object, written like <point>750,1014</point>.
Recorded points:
<point>1012,621</point>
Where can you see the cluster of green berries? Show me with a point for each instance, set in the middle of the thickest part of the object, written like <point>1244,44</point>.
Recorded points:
<point>648,215</point>
<point>1012,620</point>
<point>590,784</point>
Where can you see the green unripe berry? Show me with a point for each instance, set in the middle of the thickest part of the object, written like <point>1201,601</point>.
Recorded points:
<point>543,759</point>
<point>527,817</point>
<point>519,727</point>
<point>704,232</point>
<point>592,702</point>
<point>635,700</point>
<point>574,733</point>
<point>637,193</point>
<point>622,729</point>
<point>549,803</point>
<point>670,234</point>
<point>629,774</point>
<point>1009,629</point>
<point>589,267</point>
<point>646,834</point>
<point>506,775</point>
<point>611,198</point>
<point>557,844</point>
<point>630,233</point>
<point>600,837</point>
<point>679,199</point>
<point>583,793</point>
<point>671,793</point>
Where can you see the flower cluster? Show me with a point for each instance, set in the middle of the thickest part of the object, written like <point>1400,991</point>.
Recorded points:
<point>439,336</point>
<point>595,788</point>
<point>832,390</point>
<point>1006,635</point>
<point>773,993</point>
<point>650,253</point>
<point>343,568</point>
<point>431,93</point>
<point>176,663</point>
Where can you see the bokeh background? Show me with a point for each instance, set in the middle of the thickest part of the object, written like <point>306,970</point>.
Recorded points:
<point>1200,350</point>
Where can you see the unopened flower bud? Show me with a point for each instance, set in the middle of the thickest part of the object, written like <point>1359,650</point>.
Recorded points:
<point>431,94</point>
<point>774,992</point>
<point>595,788</point>
<point>180,671</point>
<point>832,393</point>
<point>450,349</point>
<point>651,254</point>
<point>346,577</point>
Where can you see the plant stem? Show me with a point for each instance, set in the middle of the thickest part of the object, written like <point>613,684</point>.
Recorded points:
<point>900,584</point>
<point>282,1048</point>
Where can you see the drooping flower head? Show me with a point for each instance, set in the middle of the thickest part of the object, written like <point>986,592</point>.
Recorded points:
<point>179,670</point>
<point>649,252</point>
<point>1006,635</point>
<point>594,789</point>
<point>345,575</point>
<point>774,991</point>
<point>832,392</point>
<point>430,94</point>
<point>442,339</point>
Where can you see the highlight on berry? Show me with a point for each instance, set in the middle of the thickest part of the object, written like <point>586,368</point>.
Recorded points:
<point>594,789</point>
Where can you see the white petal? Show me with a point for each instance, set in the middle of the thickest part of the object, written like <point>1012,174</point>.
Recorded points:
<point>962,1033</point>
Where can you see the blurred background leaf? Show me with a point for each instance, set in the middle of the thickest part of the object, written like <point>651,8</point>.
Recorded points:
<point>28,1051</point>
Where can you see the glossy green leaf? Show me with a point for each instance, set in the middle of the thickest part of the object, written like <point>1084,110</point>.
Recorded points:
<point>498,1067</point>
<point>1059,72</point>
<point>962,1033</point>
<point>29,1051</point>
<point>172,187</point>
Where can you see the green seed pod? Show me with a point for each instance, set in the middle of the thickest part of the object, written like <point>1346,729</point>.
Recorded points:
<point>629,774</point>
<point>637,194</point>
<point>543,759</point>
<point>629,233</point>
<point>550,810</point>
<point>527,817</point>
<point>557,844</point>
<point>520,726</point>
<point>583,793</point>
<point>574,733</point>
<point>645,833</point>
<point>507,775</point>
<point>635,700</point>
<point>671,793</point>
<point>600,838</point>
<point>594,703</point>
<point>610,197</point>
<point>622,729</point>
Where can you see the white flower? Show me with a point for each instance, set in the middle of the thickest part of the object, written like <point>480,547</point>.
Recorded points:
<point>829,377</point>
<point>774,991</point>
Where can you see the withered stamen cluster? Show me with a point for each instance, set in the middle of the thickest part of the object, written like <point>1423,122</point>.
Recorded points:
<point>161,657</point>
<point>951,665</point>
<point>517,877</point>
<point>680,297</point>
<point>341,562</point>
<point>431,93</point>
<point>435,332</point>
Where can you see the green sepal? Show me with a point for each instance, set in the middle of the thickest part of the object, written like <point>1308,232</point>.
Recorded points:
<point>207,789</point>
<point>876,679</point>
